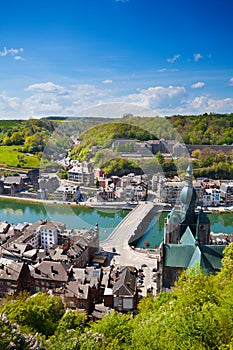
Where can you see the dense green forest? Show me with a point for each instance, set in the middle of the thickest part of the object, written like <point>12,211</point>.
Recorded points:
<point>206,129</point>
<point>197,314</point>
<point>96,145</point>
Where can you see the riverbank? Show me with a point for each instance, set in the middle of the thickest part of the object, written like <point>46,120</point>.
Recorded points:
<point>91,203</point>
<point>40,201</point>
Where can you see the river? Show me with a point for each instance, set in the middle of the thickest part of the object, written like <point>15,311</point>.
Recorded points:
<point>74,217</point>
<point>80,217</point>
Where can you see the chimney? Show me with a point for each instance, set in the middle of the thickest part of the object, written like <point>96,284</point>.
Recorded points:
<point>53,270</point>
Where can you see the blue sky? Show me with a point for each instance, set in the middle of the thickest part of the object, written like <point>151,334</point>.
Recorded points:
<point>110,57</point>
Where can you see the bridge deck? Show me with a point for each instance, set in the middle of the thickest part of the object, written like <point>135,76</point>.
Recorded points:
<point>127,227</point>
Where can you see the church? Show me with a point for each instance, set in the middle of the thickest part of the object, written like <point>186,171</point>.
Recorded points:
<point>187,242</point>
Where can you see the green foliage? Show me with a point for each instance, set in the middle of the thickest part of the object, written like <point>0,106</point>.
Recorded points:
<point>72,319</point>
<point>207,129</point>
<point>62,174</point>
<point>103,135</point>
<point>115,330</point>
<point>39,313</point>
<point>197,315</point>
<point>68,335</point>
<point>121,167</point>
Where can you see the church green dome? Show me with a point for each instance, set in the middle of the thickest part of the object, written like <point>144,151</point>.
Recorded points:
<point>186,194</point>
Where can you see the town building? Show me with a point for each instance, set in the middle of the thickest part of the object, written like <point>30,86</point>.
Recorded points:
<point>48,275</point>
<point>13,184</point>
<point>68,193</point>
<point>123,294</point>
<point>48,183</point>
<point>211,197</point>
<point>14,277</point>
<point>226,192</point>
<point>82,173</point>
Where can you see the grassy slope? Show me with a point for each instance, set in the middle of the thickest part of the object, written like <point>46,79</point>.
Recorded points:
<point>10,156</point>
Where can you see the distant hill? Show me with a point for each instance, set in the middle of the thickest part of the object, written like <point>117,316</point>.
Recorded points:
<point>103,135</point>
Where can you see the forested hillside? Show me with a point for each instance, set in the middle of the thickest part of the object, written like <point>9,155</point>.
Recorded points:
<point>103,136</point>
<point>197,314</point>
<point>207,129</point>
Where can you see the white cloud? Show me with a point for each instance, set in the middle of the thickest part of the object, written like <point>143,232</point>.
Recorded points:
<point>12,52</point>
<point>231,81</point>
<point>18,58</point>
<point>43,99</point>
<point>207,105</point>
<point>158,97</point>
<point>197,57</point>
<point>173,59</point>
<point>198,85</point>
<point>107,81</point>
<point>9,105</point>
<point>49,98</point>
<point>48,87</point>
<point>163,70</point>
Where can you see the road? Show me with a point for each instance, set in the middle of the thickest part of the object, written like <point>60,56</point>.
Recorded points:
<point>124,255</point>
<point>122,233</point>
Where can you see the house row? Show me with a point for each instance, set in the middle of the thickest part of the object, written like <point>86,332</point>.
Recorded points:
<point>46,257</point>
<point>209,192</point>
<point>11,185</point>
<point>127,188</point>
<point>79,288</point>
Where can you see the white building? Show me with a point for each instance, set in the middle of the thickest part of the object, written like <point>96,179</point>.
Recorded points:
<point>83,173</point>
<point>48,234</point>
<point>43,234</point>
<point>211,197</point>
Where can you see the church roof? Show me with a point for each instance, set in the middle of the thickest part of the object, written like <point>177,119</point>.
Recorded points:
<point>202,217</point>
<point>188,238</point>
<point>188,254</point>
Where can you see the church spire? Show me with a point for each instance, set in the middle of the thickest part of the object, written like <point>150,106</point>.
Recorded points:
<point>189,174</point>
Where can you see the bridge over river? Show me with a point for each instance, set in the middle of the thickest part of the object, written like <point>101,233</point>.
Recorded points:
<point>122,234</point>
<point>134,225</point>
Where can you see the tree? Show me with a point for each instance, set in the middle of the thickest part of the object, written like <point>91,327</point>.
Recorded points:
<point>113,331</point>
<point>38,313</point>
